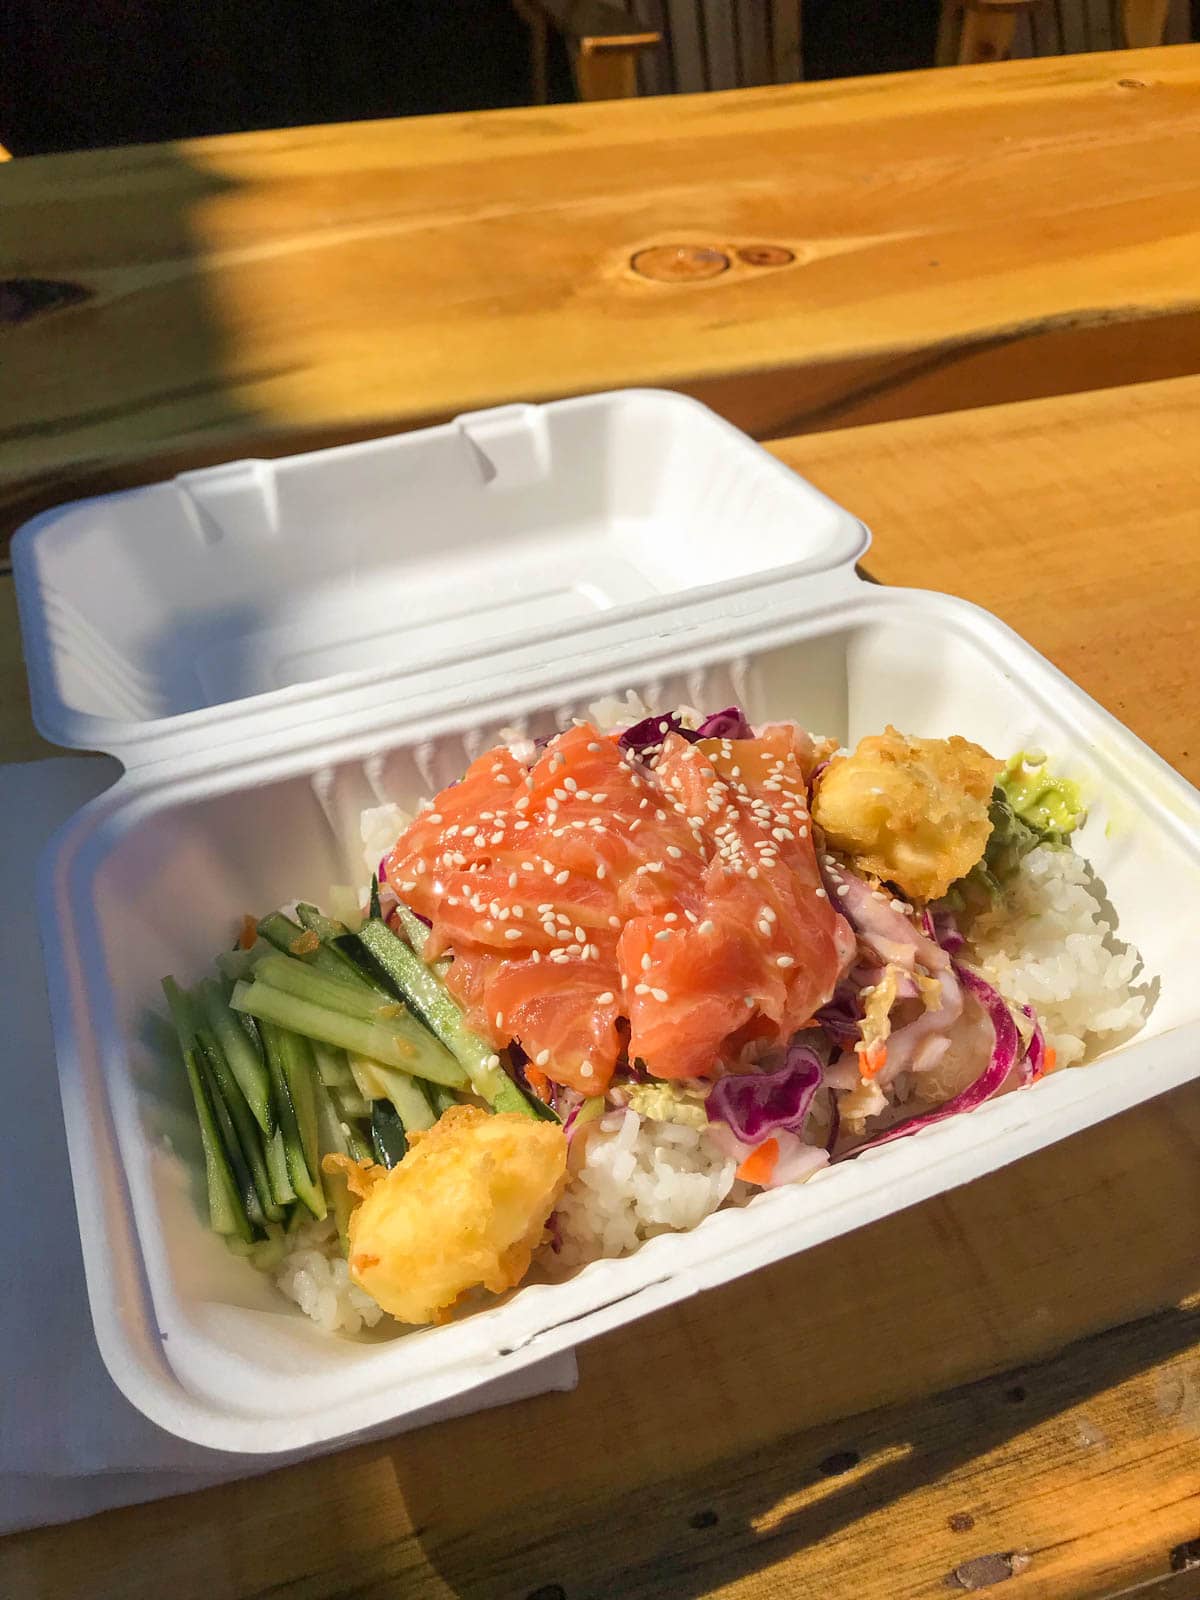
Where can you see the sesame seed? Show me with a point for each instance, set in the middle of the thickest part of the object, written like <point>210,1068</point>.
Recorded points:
<point>570,784</point>
<point>663,933</point>
<point>658,994</point>
<point>843,889</point>
<point>641,988</point>
<point>605,999</point>
<point>499,1019</point>
<point>764,928</point>
<point>821,895</point>
<point>585,1069</point>
<point>707,927</point>
<point>671,916</point>
<point>519,825</point>
<point>646,963</point>
<point>546,905</point>
<point>470,832</point>
<point>580,935</point>
<point>599,797</point>
<point>492,1061</point>
<point>537,956</point>
<point>513,880</point>
<point>561,877</point>
<point>601,871</point>
<point>542,1059</point>
<point>563,934</point>
<point>674,852</point>
<point>785,961</point>
<point>594,748</point>
<point>560,794</point>
<point>614,922</point>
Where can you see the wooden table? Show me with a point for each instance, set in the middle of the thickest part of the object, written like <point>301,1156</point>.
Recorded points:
<point>1000,1385</point>
<point>853,251</point>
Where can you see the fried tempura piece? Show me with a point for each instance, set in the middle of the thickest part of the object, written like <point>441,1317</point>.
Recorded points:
<point>466,1206</point>
<point>912,811</point>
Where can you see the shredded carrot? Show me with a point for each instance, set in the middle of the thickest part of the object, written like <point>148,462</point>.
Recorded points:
<point>1049,1060</point>
<point>872,1062</point>
<point>305,943</point>
<point>538,1082</point>
<point>760,1163</point>
<point>249,934</point>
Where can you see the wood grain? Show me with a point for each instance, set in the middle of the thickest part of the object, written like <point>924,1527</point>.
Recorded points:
<point>974,233</point>
<point>835,1426</point>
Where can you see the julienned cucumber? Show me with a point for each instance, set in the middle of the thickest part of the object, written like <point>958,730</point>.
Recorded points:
<point>310,1192</point>
<point>434,1004</point>
<point>398,1042</point>
<point>225,1210</point>
<point>348,993</point>
<point>245,1061</point>
<point>377,1082</point>
<point>249,1136</point>
<point>294,940</point>
<point>388,1137</point>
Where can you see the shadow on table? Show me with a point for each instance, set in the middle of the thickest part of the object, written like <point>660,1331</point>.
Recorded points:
<point>693,1535</point>
<point>118,338</point>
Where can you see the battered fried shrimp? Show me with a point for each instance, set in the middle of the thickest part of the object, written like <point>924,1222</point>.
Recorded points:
<point>911,811</point>
<point>466,1206</point>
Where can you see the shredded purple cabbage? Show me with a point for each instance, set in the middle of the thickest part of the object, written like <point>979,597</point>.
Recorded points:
<point>943,929</point>
<point>728,724</point>
<point>835,1120</point>
<point>650,732</point>
<point>754,1105</point>
<point>1005,1052</point>
<point>1033,1063</point>
<point>841,1016</point>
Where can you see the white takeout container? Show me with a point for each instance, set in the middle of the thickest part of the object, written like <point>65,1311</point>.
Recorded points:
<point>269,647</point>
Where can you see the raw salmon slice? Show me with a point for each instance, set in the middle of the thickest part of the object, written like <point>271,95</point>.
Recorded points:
<point>680,893</point>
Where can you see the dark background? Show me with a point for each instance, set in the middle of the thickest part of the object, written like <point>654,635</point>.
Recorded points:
<point>76,74</point>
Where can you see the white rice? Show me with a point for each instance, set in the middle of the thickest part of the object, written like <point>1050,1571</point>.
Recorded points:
<point>1050,945</point>
<point>638,1179</point>
<point>380,827</point>
<point>315,1275</point>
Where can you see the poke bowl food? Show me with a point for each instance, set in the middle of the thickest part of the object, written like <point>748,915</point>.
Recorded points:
<point>609,982</point>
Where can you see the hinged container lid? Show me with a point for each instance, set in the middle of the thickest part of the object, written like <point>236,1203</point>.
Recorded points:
<point>167,621</point>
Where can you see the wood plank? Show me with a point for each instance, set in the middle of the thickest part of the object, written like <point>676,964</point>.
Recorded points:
<point>947,227</point>
<point>1072,519</point>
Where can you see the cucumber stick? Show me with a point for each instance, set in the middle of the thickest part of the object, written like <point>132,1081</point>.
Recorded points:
<point>245,1061</point>
<point>226,1212</point>
<point>438,1009</point>
<point>234,1155</point>
<point>310,1192</point>
<point>347,993</point>
<point>397,1042</point>
<point>277,1171</point>
<point>300,1071</point>
<point>378,1082</point>
<point>387,1135</point>
<point>294,940</point>
<point>248,1133</point>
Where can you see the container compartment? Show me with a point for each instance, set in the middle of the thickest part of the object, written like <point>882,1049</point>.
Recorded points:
<point>155,877</point>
